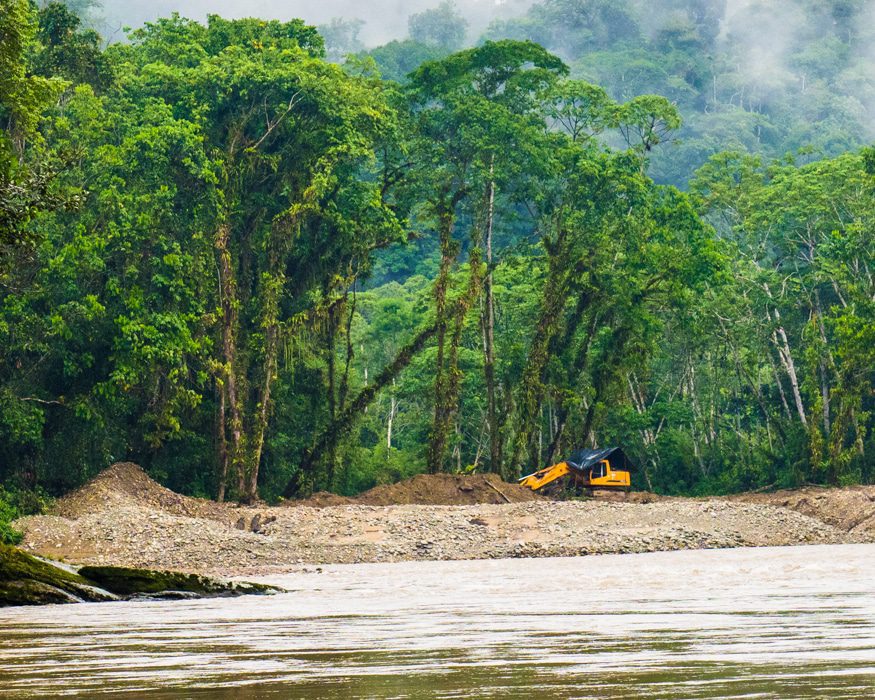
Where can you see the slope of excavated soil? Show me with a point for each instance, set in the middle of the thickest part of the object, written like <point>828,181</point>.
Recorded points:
<point>433,490</point>
<point>851,509</point>
<point>124,518</point>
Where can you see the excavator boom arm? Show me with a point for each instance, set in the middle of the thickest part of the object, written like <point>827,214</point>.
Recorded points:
<point>545,476</point>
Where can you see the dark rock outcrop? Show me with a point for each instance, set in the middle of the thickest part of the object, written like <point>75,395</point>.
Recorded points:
<point>28,580</point>
<point>127,582</point>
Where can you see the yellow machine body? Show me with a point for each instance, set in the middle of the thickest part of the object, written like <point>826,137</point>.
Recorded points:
<point>600,476</point>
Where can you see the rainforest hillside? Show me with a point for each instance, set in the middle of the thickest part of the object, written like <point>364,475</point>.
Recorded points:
<point>262,259</point>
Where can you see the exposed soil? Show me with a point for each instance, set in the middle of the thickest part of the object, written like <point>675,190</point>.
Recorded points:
<point>851,509</point>
<point>433,490</point>
<point>125,482</point>
<point>124,518</point>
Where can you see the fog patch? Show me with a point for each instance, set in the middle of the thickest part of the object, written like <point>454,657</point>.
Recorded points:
<point>384,20</point>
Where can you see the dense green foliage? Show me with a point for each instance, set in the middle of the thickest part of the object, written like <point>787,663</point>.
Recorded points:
<point>18,502</point>
<point>257,272</point>
<point>8,513</point>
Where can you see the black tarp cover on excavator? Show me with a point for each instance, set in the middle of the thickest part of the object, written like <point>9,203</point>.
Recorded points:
<point>584,459</point>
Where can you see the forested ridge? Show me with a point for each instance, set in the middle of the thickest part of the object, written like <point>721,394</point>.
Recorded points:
<point>260,273</point>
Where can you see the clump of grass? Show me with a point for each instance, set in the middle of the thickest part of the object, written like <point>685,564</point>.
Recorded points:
<point>16,504</point>
<point>8,513</point>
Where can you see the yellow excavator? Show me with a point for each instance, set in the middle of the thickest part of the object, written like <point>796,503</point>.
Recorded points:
<point>584,470</point>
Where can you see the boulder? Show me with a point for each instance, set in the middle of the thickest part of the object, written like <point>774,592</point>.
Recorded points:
<point>124,581</point>
<point>29,580</point>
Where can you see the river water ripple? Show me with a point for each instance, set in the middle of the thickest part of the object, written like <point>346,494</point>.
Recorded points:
<point>755,623</point>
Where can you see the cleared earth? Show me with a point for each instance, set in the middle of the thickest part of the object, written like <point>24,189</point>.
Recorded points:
<point>124,518</point>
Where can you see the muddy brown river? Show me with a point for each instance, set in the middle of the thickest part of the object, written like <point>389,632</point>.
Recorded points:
<point>793,622</point>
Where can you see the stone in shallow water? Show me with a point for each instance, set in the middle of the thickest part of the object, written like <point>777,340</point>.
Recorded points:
<point>125,581</point>
<point>30,592</point>
<point>27,580</point>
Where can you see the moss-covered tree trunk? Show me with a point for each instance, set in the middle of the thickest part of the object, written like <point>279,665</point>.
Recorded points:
<point>531,390</point>
<point>230,380</point>
<point>270,321</point>
<point>488,321</point>
<point>445,411</point>
<point>449,249</point>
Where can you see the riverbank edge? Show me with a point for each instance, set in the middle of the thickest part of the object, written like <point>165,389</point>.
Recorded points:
<point>123,518</point>
<point>132,536</point>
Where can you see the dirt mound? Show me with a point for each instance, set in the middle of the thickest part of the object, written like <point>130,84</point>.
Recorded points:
<point>127,482</point>
<point>433,490</point>
<point>851,509</point>
<point>324,499</point>
<point>628,497</point>
<point>447,490</point>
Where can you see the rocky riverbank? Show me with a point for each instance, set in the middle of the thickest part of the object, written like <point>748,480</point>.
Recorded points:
<point>124,518</point>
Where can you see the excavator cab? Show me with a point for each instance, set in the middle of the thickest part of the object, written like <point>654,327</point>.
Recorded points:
<point>585,470</point>
<point>604,476</point>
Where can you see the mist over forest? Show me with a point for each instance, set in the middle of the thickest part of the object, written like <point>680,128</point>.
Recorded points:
<point>767,77</point>
<point>383,20</point>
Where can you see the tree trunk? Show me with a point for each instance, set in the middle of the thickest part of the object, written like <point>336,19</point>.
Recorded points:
<point>540,452</point>
<point>779,337</point>
<point>647,437</point>
<point>777,375</point>
<point>332,395</point>
<point>270,366</point>
<point>229,305</point>
<point>495,456</point>
<point>393,408</point>
<point>449,249</point>
<point>446,409</point>
<point>824,375</point>
<point>824,398</point>
<point>333,432</point>
<point>270,310</point>
<point>457,448</point>
<point>222,442</point>
<point>480,440</point>
<point>532,383</point>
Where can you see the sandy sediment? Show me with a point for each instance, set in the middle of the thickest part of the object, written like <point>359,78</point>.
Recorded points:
<point>123,518</point>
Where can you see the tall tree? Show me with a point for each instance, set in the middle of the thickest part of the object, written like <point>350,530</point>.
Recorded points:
<point>442,27</point>
<point>23,98</point>
<point>475,115</point>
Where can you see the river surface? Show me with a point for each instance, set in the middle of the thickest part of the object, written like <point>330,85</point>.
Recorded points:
<point>793,622</point>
